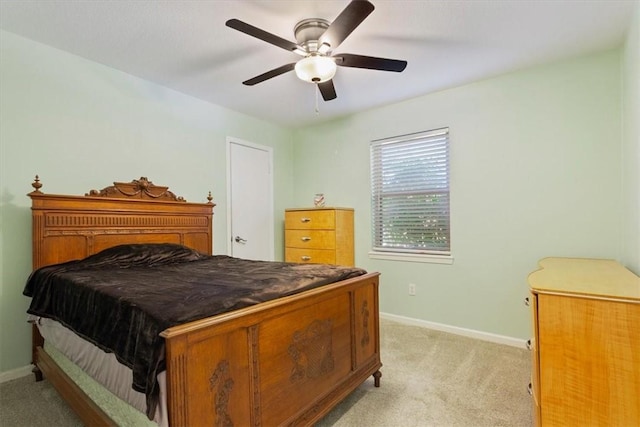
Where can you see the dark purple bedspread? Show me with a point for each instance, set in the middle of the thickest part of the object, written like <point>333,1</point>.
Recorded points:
<point>123,297</point>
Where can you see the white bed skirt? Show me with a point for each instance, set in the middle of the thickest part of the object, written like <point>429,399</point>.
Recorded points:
<point>101,366</point>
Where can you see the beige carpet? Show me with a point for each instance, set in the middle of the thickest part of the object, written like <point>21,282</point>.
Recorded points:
<point>429,378</point>
<point>26,403</point>
<point>432,378</point>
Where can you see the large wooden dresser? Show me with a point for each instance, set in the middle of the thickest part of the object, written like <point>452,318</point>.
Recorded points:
<point>319,235</point>
<point>586,343</point>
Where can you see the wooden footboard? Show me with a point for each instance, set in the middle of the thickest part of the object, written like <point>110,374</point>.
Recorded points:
<point>285,362</point>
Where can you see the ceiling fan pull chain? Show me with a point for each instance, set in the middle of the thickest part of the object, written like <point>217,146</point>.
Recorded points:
<point>317,90</point>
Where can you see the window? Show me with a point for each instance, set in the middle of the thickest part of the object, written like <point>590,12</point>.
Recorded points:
<point>410,194</point>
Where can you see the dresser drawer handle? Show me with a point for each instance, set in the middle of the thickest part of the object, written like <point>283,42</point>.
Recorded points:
<point>305,239</point>
<point>305,258</point>
<point>530,389</point>
<point>528,344</point>
<point>526,301</point>
<point>305,219</point>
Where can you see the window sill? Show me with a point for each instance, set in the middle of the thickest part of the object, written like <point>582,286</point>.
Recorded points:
<point>431,259</point>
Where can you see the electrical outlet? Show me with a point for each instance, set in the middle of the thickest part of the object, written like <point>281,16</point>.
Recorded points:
<point>412,289</point>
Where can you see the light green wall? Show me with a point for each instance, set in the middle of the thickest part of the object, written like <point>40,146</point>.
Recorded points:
<point>631,145</point>
<point>535,172</point>
<point>81,126</point>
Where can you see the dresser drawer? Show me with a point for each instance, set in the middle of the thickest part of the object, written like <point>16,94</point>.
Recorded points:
<point>313,256</point>
<point>310,219</point>
<point>312,239</point>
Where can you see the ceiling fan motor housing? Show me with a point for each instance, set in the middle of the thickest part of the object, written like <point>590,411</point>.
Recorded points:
<point>308,32</point>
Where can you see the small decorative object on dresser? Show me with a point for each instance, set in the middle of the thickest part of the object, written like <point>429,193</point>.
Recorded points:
<point>318,200</point>
<point>319,235</point>
<point>586,343</point>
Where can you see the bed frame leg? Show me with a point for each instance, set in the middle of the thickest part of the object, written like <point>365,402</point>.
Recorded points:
<point>376,378</point>
<point>38,374</point>
<point>36,341</point>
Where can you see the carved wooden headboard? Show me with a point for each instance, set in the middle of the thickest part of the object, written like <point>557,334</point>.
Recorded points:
<point>73,227</point>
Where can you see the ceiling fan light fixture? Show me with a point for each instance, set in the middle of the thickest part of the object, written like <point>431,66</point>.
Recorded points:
<point>316,69</point>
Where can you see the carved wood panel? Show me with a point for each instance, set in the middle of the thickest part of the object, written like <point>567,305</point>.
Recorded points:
<point>138,188</point>
<point>221,384</point>
<point>301,352</point>
<point>366,341</point>
<point>311,351</point>
<point>218,380</point>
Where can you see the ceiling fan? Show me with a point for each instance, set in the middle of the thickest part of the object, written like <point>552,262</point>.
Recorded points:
<point>316,39</point>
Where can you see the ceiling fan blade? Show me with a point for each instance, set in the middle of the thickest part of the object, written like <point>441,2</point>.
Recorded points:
<point>270,74</point>
<point>263,35</point>
<point>345,23</point>
<point>370,62</point>
<point>327,90</point>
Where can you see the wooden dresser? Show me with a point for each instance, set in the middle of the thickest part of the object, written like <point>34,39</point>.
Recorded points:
<point>586,343</point>
<point>319,235</point>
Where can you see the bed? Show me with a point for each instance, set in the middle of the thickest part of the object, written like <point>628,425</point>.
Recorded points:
<point>284,361</point>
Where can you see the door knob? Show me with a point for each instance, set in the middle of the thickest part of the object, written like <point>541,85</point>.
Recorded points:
<point>239,239</point>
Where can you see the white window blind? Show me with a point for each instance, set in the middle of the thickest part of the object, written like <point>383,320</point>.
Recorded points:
<point>410,193</point>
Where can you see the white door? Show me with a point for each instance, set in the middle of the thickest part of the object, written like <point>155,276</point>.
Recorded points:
<point>251,227</point>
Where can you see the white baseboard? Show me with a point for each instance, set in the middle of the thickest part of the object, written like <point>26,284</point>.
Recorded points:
<point>471,333</point>
<point>15,373</point>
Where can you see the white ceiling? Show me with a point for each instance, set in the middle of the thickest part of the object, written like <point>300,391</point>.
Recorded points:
<point>185,45</point>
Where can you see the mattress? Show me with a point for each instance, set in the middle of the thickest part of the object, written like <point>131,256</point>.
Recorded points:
<point>102,367</point>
